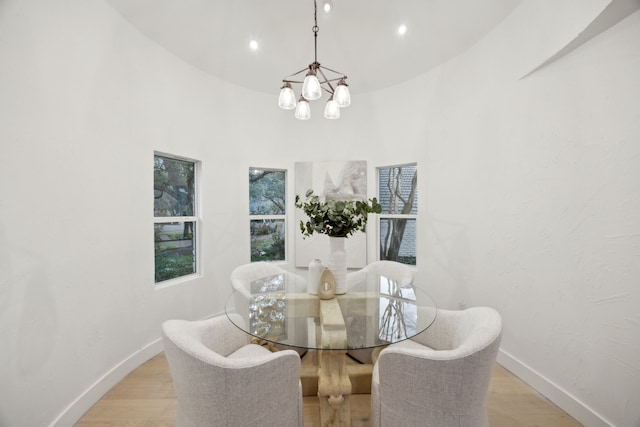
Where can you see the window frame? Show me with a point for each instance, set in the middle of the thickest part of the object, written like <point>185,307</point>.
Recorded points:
<point>195,219</point>
<point>261,217</point>
<point>385,216</point>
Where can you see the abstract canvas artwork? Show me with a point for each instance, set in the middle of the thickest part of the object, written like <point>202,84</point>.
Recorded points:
<point>339,180</point>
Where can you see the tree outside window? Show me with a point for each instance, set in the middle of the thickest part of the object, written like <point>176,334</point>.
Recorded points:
<point>175,221</point>
<point>398,195</point>
<point>267,212</point>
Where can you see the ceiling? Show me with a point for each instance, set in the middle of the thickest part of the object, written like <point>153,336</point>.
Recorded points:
<point>358,38</point>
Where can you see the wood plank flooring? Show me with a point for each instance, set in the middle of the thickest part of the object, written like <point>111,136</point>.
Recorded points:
<point>145,398</point>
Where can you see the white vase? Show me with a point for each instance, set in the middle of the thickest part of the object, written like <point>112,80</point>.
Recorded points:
<point>337,263</point>
<point>315,270</point>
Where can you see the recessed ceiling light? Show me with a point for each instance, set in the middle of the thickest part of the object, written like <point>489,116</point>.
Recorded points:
<point>327,6</point>
<point>253,45</point>
<point>402,30</point>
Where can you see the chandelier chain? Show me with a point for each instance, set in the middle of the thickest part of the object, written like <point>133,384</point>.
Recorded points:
<point>318,79</point>
<point>315,32</point>
<point>315,16</point>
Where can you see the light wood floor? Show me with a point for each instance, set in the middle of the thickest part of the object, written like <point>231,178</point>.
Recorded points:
<point>145,398</point>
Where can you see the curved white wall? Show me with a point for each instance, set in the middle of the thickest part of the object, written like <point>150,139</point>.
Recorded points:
<point>86,101</point>
<point>530,194</point>
<point>529,198</point>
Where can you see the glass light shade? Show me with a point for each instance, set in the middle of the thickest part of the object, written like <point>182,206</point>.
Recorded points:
<point>331,109</point>
<point>303,111</point>
<point>342,95</point>
<point>311,89</point>
<point>287,99</point>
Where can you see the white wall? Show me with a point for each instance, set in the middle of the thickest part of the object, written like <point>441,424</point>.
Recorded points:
<point>85,102</point>
<point>530,202</point>
<point>529,199</point>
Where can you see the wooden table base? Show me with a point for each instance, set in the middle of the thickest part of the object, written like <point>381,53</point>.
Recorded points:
<point>334,386</point>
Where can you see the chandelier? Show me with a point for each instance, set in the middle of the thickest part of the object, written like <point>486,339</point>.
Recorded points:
<point>314,83</point>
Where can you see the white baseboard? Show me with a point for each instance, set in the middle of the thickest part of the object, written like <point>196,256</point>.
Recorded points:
<point>542,385</point>
<point>76,409</point>
<point>72,413</point>
<point>568,403</point>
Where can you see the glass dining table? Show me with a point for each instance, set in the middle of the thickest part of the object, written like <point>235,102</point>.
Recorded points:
<point>375,311</point>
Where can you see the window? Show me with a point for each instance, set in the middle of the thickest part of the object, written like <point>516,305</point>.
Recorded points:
<point>398,195</point>
<point>267,209</point>
<point>175,223</point>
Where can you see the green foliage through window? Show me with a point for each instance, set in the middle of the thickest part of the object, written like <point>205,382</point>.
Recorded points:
<point>267,209</point>
<point>175,222</point>
<point>173,187</point>
<point>267,240</point>
<point>267,194</point>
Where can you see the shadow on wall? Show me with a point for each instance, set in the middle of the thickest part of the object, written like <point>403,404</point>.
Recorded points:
<point>615,12</point>
<point>28,330</point>
<point>38,326</point>
<point>449,248</point>
<point>5,274</point>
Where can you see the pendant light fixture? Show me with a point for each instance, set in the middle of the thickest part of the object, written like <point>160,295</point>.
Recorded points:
<point>314,83</point>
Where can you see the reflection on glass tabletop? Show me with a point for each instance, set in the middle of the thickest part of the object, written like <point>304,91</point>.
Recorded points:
<point>377,310</point>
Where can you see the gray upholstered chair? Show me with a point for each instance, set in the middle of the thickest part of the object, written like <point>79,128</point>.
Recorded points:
<point>402,273</point>
<point>221,380</point>
<point>392,269</point>
<point>439,378</point>
<point>244,274</point>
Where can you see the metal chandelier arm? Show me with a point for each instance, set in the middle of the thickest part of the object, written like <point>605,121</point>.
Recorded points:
<point>312,86</point>
<point>326,80</point>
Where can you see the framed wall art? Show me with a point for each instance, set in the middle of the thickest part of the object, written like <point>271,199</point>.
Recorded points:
<point>340,180</point>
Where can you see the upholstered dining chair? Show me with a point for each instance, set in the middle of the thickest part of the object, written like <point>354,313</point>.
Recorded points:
<point>244,274</point>
<point>440,377</point>
<point>393,270</point>
<point>222,380</point>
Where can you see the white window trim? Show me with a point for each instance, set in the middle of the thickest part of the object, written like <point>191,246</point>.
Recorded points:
<point>285,216</point>
<point>197,220</point>
<point>382,216</point>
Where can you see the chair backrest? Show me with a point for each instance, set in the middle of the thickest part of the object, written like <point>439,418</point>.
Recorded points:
<point>444,381</point>
<point>392,269</point>
<point>403,273</point>
<point>242,275</point>
<point>216,388</point>
<point>356,281</point>
<point>246,273</point>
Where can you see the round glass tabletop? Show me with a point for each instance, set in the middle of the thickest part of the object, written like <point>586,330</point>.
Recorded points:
<point>375,311</point>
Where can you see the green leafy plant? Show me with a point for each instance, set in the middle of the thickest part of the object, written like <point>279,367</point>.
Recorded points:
<point>335,218</point>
